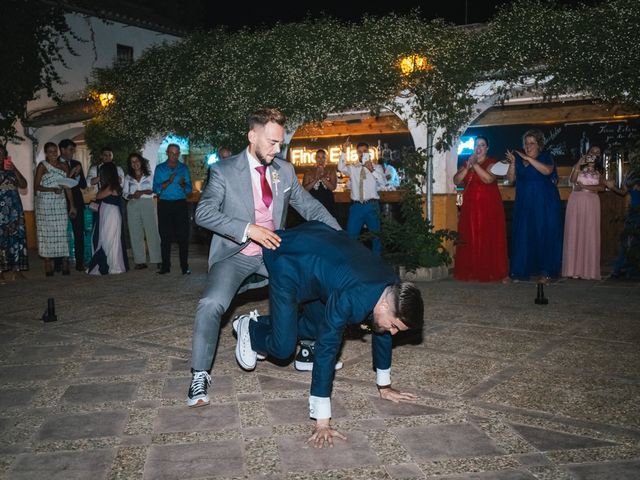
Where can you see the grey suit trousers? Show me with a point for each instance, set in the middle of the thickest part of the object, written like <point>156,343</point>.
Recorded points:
<point>223,281</point>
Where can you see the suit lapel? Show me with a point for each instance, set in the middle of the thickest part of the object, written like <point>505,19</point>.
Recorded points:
<point>245,190</point>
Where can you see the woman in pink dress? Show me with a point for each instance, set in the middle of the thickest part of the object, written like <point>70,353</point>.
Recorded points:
<point>581,257</point>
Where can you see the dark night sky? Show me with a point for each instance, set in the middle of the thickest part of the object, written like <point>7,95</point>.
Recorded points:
<point>235,14</point>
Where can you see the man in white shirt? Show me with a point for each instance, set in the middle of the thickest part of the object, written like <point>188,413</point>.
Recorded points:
<point>93,177</point>
<point>366,180</point>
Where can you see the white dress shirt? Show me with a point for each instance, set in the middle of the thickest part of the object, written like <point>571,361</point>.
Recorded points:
<point>373,181</point>
<point>93,173</point>
<point>131,186</point>
<point>320,407</point>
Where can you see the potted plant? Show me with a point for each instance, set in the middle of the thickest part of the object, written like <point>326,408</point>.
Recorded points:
<point>410,242</point>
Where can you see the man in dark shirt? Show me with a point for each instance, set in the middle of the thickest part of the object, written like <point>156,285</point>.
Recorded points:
<point>67,151</point>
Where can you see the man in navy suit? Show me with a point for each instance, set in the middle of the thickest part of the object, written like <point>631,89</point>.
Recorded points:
<point>338,282</point>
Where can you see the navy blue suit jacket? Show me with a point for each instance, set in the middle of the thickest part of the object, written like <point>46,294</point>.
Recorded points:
<point>317,263</point>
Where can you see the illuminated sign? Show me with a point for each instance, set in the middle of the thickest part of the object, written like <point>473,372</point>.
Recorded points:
<point>303,156</point>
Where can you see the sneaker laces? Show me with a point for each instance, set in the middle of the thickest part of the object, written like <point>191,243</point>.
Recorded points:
<point>200,382</point>
<point>253,315</point>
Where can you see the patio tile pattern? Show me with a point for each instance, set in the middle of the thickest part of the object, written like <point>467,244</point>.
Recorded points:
<point>508,390</point>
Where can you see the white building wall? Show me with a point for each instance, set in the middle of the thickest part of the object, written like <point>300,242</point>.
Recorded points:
<point>98,50</point>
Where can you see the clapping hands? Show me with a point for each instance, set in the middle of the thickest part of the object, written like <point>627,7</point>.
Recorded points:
<point>510,156</point>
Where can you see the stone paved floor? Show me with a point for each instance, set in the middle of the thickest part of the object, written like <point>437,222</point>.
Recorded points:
<point>508,389</point>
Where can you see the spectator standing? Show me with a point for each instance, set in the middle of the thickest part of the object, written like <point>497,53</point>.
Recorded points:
<point>581,248</point>
<point>630,240</point>
<point>109,249</point>
<point>13,238</point>
<point>67,152</point>
<point>172,184</point>
<point>481,249</point>
<point>223,152</point>
<point>391,177</point>
<point>536,248</point>
<point>321,182</point>
<point>366,180</point>
<point>141,212</point>
<point>93,176</point>
<point>51,209</point>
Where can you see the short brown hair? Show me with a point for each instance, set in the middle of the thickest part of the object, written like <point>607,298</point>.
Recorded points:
<point>537,135</point>
<point>262,116</point>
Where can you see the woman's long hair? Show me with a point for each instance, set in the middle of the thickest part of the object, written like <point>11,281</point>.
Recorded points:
<point>109,177</point>
<point>144,165</point>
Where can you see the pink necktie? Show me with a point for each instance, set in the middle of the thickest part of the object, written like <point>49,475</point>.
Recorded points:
<point>267,195</point>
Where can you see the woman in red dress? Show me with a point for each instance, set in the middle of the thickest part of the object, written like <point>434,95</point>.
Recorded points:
<point>481,250</point>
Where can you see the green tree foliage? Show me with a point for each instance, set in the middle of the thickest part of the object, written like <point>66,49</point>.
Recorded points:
<point>410,241</point>
<point>204,85</point>
<point>35,38</point>
<point>554,50</point>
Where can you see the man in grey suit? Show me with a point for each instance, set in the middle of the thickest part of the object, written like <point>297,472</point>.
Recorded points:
<point>245,200</point>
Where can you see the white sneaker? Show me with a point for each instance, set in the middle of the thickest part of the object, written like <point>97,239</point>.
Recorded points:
<point>245,355</point>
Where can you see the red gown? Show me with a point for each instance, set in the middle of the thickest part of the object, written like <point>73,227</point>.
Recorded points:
<point>481,250</point>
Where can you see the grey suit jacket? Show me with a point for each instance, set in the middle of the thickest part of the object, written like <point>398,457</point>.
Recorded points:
<point>226,205</point>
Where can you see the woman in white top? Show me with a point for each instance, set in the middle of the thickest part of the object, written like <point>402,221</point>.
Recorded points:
<point>141,211</point>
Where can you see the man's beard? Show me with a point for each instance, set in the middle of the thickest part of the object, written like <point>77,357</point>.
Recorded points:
<point>261,158</point>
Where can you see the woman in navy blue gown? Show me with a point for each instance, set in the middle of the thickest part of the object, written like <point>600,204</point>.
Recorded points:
<point>536,244</point>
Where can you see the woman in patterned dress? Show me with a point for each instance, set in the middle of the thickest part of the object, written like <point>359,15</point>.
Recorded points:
<point>51,210</point>
<point>13,239</point>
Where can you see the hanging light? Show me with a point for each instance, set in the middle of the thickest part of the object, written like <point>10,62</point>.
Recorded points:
<point>106,99</point>
<point>412,63</point>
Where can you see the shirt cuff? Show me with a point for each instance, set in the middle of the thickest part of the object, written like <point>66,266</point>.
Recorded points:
<point>319,407</point>
<point>245,235</point>
<point>383,377</point>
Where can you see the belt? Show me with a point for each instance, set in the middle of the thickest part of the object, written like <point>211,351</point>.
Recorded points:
<point>364,202</point>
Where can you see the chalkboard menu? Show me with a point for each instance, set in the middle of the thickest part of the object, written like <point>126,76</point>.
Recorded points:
<point>566,142</point>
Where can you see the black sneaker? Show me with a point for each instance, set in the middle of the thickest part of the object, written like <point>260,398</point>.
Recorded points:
<point>304,358</point>
<point>197,396</point>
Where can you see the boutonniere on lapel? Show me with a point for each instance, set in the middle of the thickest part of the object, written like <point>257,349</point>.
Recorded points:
<point>275,178</point>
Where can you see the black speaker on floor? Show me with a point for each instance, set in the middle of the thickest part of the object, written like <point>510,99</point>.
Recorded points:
<point>540,298</point>
<point>49,314</point>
